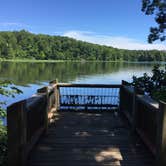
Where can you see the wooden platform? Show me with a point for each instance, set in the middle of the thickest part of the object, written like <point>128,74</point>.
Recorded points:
<point>89,139</point>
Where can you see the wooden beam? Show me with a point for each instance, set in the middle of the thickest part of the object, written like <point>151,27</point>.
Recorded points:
<point>16,120</point>
<point>89,85</point>
<point>89,105</point>
<point>57,97</point>
<point>54,81</point>
<point>40,92</point>
<point>161,135</point>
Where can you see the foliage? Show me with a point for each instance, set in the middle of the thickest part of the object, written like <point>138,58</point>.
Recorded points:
<point>160,94</point>
<point>158,8</point>
<point>154,85</point>
<point>3,145</point>
<point>25,45</point>
<point>6,89</point>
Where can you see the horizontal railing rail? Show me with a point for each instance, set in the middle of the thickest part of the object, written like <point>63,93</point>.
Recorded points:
<point>146,120</point>
<point>88,96</point>
<point>89,85</point>
<point>147,117</point>
<point>27,120</point>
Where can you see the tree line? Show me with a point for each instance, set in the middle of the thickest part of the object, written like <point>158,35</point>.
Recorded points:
<point>25,45</point>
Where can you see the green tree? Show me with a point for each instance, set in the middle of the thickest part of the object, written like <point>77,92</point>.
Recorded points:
<point>25,45</point>
<point>157,8</point>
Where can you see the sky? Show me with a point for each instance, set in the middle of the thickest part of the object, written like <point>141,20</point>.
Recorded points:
<point>117,23</point>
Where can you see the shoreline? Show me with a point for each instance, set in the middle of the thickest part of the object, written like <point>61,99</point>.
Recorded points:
<point>80,61</point>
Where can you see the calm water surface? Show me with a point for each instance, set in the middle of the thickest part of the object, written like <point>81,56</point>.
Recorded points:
<point>30,76</point>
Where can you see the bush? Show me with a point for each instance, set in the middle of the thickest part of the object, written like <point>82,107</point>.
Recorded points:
<point>3,146</point>
<point>159,95</point>
<point>154,85</point>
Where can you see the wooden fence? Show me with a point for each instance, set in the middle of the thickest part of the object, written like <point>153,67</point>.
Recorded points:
<point>28,119</point>
<point>89,97</point>
<point>147,117</point>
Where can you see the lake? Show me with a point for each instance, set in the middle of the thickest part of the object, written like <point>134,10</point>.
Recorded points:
<point>29,76</point>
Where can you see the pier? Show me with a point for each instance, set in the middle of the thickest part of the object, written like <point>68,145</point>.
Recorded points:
<point>87,124</point>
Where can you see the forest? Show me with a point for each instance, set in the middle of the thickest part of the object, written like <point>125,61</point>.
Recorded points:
<point>25,45</point>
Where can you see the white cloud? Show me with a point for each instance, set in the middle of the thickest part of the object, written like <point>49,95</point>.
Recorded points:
<point>12,24</point>
<point>114,41</point>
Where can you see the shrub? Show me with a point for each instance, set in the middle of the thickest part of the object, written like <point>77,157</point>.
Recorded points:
<point>3,145</point>
<point>154,85</point>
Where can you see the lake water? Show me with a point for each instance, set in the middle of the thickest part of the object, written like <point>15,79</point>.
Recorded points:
<point>29,76</point>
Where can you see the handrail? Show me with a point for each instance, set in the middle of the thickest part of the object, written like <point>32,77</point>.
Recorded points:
<point>146,120</point>
<point>148,101</point>
<point>147,117</point>
<point>88,96</point>
<point>27,120</point>
<point>89,85</point>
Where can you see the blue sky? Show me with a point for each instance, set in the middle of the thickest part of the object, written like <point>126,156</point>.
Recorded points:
<point>118,23</point>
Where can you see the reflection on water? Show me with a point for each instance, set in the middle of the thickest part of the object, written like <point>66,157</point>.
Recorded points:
<point>29,76</point>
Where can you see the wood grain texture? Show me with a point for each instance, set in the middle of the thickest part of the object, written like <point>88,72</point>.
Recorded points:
<point>89,139</point>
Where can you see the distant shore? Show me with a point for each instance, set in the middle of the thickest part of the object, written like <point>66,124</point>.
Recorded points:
<point>82,61</point>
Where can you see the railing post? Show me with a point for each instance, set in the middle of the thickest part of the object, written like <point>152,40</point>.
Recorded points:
<point>44,90</point>
<point>134,110</point>
<point>17,134</point>
<point>53,84</point>
<point>161,135</point>
<point>54,81</point>
<point>122,95</point>
<point>121,104</point>
<point>57,95</point>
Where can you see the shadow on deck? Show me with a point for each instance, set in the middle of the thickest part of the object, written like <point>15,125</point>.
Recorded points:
<point>86,137</point>
<point>89,139</point>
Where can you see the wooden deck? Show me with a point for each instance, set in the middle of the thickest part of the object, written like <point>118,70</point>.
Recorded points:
<point>89,139</point>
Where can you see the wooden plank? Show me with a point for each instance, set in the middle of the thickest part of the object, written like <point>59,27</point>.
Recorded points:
<point>129,89</point>
<point>89,139</point>
<point>89,105</point>
<point>16,120</point>
<point>22,135</point>
<point>149,102</point>
<point>89,85</point>
<point>35,138</point>
<point>147,142</point>
<point>35,101</point>
<point>57,97</point>
<point>125,83</point>
<point>99,110</point>
<point>161,135</point>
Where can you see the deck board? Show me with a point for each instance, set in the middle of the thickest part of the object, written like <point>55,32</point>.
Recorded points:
<point>89,139</point>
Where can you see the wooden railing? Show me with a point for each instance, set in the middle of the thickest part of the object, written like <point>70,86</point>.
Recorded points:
<point>147,117</point>
<point>27,120</point>
<point>126,99</point>
<point>88,97</point>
